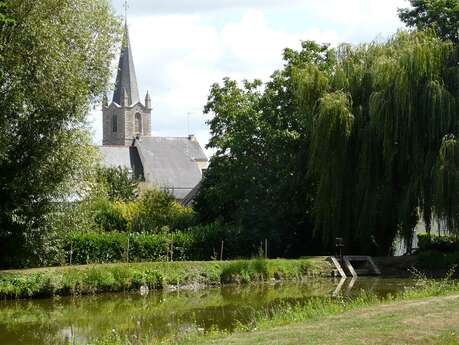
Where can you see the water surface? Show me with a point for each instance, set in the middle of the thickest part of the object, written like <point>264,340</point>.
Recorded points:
<point>78,320</point>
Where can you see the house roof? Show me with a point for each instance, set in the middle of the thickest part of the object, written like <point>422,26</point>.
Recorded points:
<point>171,163</point>
<point>122,156</point>
<point>126,80</point>
<point>116,156</point>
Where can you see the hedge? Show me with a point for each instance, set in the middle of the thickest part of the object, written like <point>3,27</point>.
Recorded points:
<point>444,244</point>
<point>435,260</point>
<point>197,243</point>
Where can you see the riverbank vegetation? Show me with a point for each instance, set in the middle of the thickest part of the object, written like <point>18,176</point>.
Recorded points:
<point>78,280</point>
<point>437,252</point>
<point>366,318</point>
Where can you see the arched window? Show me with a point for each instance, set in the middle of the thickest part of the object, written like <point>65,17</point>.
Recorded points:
<point>115,123</point>
<point>138,123</point>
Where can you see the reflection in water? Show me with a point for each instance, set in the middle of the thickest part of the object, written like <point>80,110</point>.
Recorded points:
<point>159,314</point>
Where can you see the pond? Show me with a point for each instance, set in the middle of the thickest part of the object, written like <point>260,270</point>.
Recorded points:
<point>78,320</point>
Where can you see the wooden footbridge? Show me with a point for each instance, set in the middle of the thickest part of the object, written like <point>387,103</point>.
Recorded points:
<point>354,266</point>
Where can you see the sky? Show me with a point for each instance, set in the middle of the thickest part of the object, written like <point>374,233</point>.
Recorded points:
<point>182,47</point>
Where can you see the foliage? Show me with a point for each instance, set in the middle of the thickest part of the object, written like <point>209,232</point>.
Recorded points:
<point>444,244</point>
<point>157,209</point>
<point>126,277</point>
<point>118,183</point>
<point>436,260</point>
<point>442,16</point>
<point>5,18</point>
<point>196,243</point>
<point>446,183</point>
<point>258,176</point>
<point>153,211</point>
<point>343,142</point>
<point>61,63</point>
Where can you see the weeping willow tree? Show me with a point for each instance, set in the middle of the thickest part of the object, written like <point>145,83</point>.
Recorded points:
<point>446,186</point>
<point>384,124</point>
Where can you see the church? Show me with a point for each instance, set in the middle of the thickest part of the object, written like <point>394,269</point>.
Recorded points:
<point>173,164</point>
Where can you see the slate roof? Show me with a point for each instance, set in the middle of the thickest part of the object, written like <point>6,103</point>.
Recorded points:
<point>165,162</point>
<point>122,156</point>
<point>126,78</point>
<point>116,156</point>
<point>171,163</point>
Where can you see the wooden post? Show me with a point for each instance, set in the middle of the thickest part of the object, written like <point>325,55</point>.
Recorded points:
<point>266,248</point>
<point>127,250</point>
<point>221,251</point>
<point>71,252</point>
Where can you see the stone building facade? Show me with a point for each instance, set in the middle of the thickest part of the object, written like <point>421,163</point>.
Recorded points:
<point>126,118</point>
<point>174,164</point>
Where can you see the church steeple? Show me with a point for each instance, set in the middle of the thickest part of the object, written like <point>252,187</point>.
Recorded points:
<point>126,78</point>
<point>126,117</point>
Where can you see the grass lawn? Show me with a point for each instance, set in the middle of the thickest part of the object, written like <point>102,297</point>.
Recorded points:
<point>428,321</point>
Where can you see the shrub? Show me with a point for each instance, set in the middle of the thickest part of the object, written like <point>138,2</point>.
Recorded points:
<point>157,209</point>
<point>195,243</point>
<point>118,183</point>
<point>438,260</point>
<point>108,216</point>
<point>446,244</point>
<point>152,212</point>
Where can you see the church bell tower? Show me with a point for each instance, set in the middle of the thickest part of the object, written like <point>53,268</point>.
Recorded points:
<point>126,117</point>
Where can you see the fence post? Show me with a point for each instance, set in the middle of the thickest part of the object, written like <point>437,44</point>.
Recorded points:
<point>127,249</point>
<point>221,250</point>
<point>71,252</point>
<point>266,248</point>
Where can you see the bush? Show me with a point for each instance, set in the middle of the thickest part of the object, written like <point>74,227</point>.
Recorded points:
<point>445,244</point>
<point>196,243</point>
<point>438,260</point>
<point>108,216</point>
<point>152,212</point>
<point>157,209</point>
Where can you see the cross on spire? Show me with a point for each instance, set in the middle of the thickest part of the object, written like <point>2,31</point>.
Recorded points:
<point>126,6</point>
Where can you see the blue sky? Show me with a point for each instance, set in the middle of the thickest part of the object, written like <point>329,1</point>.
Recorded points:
<point>181,47</point>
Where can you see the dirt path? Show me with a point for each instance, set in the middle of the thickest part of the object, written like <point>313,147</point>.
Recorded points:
<point>430,321</point>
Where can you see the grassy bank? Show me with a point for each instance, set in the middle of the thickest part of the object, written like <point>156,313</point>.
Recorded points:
<point>425,314</point>
<point>76,280</point>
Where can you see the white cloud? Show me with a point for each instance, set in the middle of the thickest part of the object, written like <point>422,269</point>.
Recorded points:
<point>193,6</point>
<point>179,56</point>
<point>360,17</point>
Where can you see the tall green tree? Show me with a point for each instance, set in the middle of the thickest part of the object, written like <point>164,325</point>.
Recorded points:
<point>258,177</point>
<point>441,16</point>
<point>55,59</point>
<point>342,142</point>
<point>118,183</point>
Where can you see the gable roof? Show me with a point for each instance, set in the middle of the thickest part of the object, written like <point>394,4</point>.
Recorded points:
<point>171,163</point>
<point>116,156</point>
<point>122,156</point>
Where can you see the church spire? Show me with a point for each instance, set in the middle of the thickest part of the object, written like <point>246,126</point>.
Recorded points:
<point>126,78</point>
